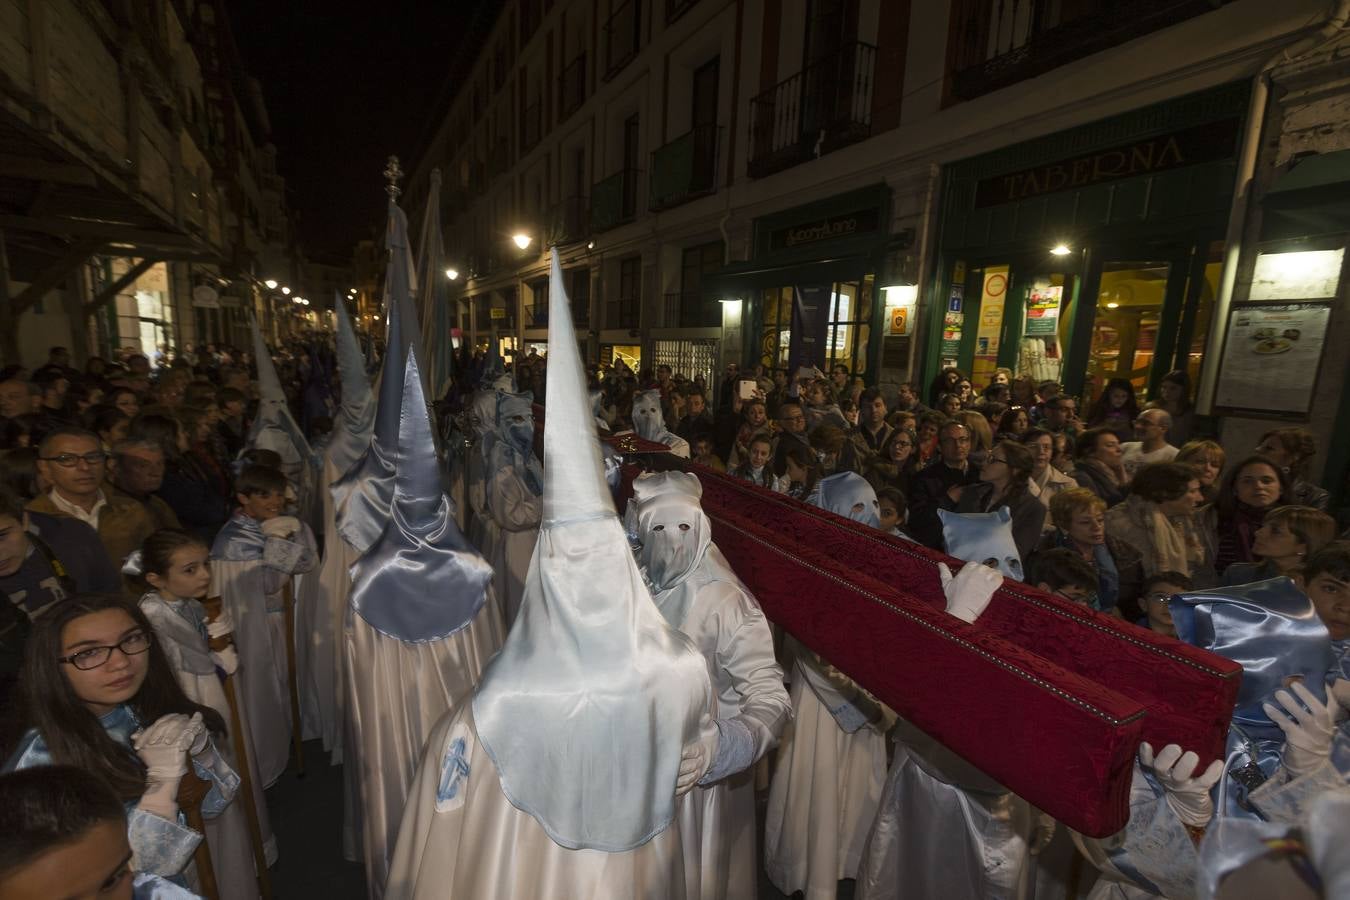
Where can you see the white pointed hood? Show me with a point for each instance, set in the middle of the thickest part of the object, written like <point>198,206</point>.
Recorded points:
<point>351,435</point>
<point>587,707</point>
<point>362,496</point>
<point>274,429</point>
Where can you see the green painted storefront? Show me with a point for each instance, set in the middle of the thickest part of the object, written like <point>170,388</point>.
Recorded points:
<point>1100,245</point>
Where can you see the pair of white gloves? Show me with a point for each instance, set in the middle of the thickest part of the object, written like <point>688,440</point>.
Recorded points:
<point>165,747</point>
<point>222,626</point>
<point>1309,726</point>
<point>284,527</point>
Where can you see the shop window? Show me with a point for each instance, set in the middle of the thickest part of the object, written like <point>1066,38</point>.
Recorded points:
<point>629,354</point>
<point>847,332</point>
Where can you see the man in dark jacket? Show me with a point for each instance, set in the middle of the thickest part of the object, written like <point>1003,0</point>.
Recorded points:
<point>937,486</point>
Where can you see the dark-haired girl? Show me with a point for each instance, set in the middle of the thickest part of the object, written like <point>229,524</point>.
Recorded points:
<point>1116,409</point>
<point>174,570</point>
<point>98,693</point>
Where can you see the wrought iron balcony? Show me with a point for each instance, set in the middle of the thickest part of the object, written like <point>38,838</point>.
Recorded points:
<point>686,168</point>
<point>530,122</point>
<point>572,87</point>
<point>622,36</point>
<point>614,200</point>
<point>1000,42</point>
<point>568,221</point>
<point>677,8</point>
<point>825,106</point>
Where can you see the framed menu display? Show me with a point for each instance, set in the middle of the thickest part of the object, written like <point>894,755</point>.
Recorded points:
<point>1271,358</point>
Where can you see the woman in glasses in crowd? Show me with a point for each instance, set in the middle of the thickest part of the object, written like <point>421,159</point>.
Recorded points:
<point>98,694</point>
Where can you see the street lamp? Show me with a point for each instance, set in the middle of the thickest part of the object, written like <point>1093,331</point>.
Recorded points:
<point>1060,250</point>
<point>271,284</point>
<point>286,291</point>
<point>452,273</point>
<point>522,240</point>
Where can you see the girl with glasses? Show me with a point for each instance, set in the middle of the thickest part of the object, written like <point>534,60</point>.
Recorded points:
<point>98,693</point>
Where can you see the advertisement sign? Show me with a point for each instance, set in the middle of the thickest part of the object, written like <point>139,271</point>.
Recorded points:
<point>1043,305</point>
<point>1271,357</point>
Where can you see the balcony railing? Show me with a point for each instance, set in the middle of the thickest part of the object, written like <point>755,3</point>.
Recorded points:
<point>1001,42</point>
<point>572,87</point>
<point>677,8</point>
<point>614,200</point>
<point>825,106</point>
<point>622,35</point>
<point>530,121</point>
<point>686,168</point>
<point>569,221</point>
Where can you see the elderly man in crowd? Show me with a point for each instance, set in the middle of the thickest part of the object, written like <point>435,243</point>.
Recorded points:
<point>137,473</point>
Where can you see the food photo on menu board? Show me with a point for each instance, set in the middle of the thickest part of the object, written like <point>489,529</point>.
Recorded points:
<point>1272,355</point>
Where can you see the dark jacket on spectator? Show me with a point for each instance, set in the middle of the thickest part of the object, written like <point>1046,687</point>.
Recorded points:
<point>928,494</point>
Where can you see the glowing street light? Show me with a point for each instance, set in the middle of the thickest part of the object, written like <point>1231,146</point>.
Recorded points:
<point>271,284</point>
<point>522,240</point>
<point>286,291</point>
<point>452,273</point>
<point>1060,250</point>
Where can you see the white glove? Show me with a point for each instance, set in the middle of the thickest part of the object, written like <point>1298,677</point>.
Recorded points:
<point>695,761</point>
<point>281,526</point>
<point>221,625</point>
<point>1340,691</point>
<point>163,747</point>
<point>1187,793</point>
<point>1307,731</point>
<point>970,591</point>
<point>227,659</point>
<point>1044,833</point>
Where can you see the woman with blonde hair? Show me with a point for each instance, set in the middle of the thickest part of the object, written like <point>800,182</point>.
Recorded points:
<point>981,435</point>
<point>1207,459</point>
<point>1288,535</point>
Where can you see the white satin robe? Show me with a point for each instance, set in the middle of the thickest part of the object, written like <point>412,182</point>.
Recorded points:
<point>824,794</point>
<point>396,693</point>
<point>227,835</point>
<point>510,529</point>
<point>717,821</point>
<point>252,593</point>
<point>460,837</point>
<point>946,831</point>
<point>319,609</point>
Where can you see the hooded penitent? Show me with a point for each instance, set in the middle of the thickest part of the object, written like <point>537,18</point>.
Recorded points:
<point>648,420</point>
<point>362,496</point>
<point>351,435</point>
<point>419,581</point>
<point>676,532</point>
<point>848,494</point>
<point>514,440</point>
<point>587,707</point>
<point>274,428</point>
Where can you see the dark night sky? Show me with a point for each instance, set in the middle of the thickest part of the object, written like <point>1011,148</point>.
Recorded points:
<point>347,84</point>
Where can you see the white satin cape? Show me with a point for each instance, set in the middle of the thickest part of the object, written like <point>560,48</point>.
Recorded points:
<point>318,628</point>
<point>396,693</point>
<point>227,835</point>
<point>945,831</point>
<point>717,821</point>
<point>260,638</point>
<point>823,797</point>
<point>509,531</point>
<point>461,837</point>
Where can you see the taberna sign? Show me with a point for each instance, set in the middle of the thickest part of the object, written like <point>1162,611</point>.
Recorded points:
<point>1187,147</point>
<point>825,229</point>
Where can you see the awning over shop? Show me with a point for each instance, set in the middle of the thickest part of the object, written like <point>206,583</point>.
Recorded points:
<point>1311,198</point>
<point>738,278</point>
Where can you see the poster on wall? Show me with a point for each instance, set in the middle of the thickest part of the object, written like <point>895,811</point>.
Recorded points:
<point>1043,310</point>
<point>1271,358</point>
